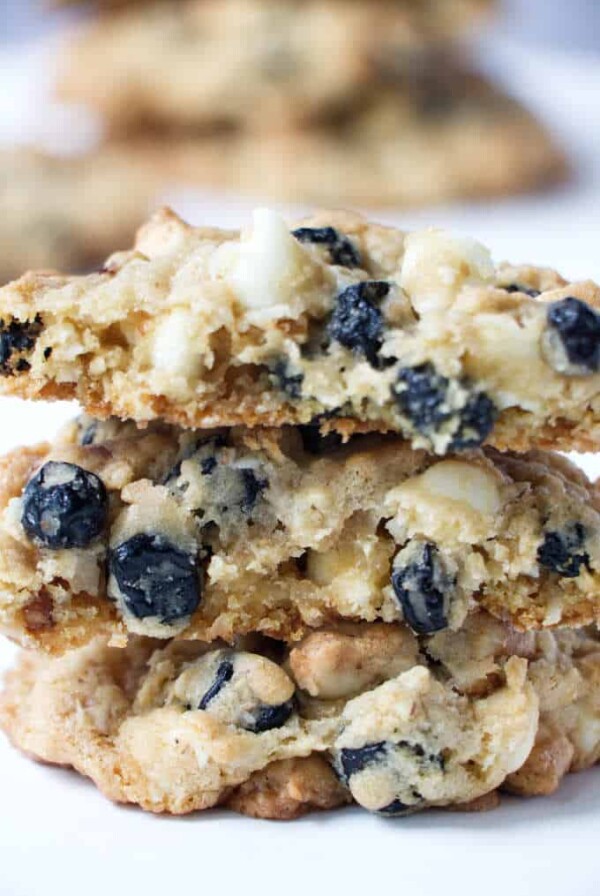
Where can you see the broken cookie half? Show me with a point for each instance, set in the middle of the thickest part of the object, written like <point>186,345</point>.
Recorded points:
<point>112,531</point>
<point>333,321</point>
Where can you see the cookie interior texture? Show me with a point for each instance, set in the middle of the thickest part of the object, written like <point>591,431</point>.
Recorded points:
<point>335,319</point>
<point>288,62</point>
<point>362,712</point>
<point>202,535</point>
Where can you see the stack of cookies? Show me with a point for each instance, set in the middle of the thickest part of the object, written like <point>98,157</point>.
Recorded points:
<point>309,544</point>
<point>352,102</point>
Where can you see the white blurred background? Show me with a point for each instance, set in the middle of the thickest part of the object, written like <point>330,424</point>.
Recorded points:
<point>569,24</point>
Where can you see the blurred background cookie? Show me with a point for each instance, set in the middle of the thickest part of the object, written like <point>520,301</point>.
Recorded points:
<point>69,214</point>
<point>251,63</point>
<point>370,103</point>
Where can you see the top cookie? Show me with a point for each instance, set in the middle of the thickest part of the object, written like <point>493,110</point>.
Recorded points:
<point>252,61</point>
<point>352,324</point>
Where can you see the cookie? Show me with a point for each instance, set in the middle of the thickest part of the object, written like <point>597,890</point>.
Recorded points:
<point>450,14</point>
<point>101,4</point>
<point>287,61</point>
<point>70,213</point>
<point>442,722</point>
<point>333,319</point>
<point>446,135</point>
<point>204,535</point>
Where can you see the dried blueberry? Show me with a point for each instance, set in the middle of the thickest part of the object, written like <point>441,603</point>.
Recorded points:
<point>223,675</point>
<point>232,485</point>
<point>562,552</point>
<point>423,398</point>
<point>341,250</point>
<point>356,323</point>
<point>423,587</point>
<point>253,486</point>
<point>97,432</point>
<point>577,326</point>
<point>88,434</point>
<point>355,759</point>
<point>477,419</point>
<point>16,339</point>
<point>156,578</point>
<point>391,758</point>
<point>204,453</point>
<point>264,717</point>
<point>435,404</point>
<point>398,808</point>
<point>525,290</point>
<point>207,465</point>
<point>64,506</point>
<point>290,383</point>
<point>224,683</point>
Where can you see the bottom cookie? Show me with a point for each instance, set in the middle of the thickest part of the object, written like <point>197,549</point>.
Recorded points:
<point>360,712</point>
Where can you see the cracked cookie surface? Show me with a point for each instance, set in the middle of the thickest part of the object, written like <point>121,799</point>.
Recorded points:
<point>418,333</point>
<point>203,535</point>
<point>441,721</point>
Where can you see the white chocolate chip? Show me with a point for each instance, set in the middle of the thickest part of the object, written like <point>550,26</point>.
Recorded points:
<point>586,733</point>
<point>437,264</point>
<point>309,512</point>
<point>273,270</point>
<point>81,568</point>
<point>173,351</point>
<point>334,664</point>
<point>553,613</point>
<point>452,500</point>
<point>463,482</point>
